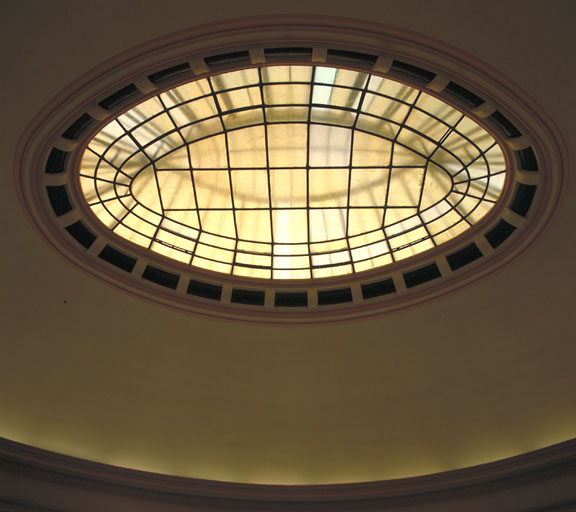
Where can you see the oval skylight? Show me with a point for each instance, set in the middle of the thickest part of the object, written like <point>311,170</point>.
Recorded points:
<point>291,172</point>
<point>289,175</point>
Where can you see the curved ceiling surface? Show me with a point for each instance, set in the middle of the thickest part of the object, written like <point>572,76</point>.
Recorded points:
<point>479,375</point>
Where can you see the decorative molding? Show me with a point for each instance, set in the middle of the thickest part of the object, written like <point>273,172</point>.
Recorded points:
<point>533,481</point>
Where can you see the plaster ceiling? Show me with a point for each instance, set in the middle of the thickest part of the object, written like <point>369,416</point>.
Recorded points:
<point>479,375</point>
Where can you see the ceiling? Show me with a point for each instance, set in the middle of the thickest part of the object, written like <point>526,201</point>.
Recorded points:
<point>479,375</point>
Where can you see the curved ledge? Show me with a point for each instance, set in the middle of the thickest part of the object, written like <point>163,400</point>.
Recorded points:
<point>537,479</point>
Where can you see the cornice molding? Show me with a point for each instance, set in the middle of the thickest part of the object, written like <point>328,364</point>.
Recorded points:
<point>547,466</point>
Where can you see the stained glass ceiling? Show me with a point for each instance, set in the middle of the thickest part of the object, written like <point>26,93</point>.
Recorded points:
<point>291,172</point>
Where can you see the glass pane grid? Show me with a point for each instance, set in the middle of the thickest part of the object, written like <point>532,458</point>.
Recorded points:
<point>291,172</point>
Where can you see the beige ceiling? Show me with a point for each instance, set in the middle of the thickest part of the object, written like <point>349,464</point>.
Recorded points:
<point>484,373</point>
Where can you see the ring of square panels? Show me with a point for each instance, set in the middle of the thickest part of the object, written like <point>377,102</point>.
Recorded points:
<point>291,172</point>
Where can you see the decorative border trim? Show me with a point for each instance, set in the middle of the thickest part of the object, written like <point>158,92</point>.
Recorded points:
<point>557,461</point>
<point>50,150</point>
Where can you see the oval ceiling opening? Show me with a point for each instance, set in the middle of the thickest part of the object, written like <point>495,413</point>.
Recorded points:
<point>296,180</point>
<point>291,172</point>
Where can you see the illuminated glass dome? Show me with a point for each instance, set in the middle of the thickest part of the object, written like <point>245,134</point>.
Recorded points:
<point>291,172</point>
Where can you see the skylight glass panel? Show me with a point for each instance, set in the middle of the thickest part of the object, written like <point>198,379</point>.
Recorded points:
<point>291,172</point>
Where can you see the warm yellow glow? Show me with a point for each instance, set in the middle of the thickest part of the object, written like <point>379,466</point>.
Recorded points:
<point>291,172</point>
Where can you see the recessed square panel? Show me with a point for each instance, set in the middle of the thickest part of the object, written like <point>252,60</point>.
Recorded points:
<point>250,188</point>
<point>177,159</point>
<point>287,74</point>
<point>328,187</point>
<point>405,187</point>
<point>327,224</point>
<point>290,226</point>
<point>288,188</point>
<point>213,189</point>
<point>329,146</point>
<point>176,190</point>
<point>296,94</point>
<point>369,187</point>
<point>287,145</point>
<point>209,153</point>
<point>371,151</point>
<point>254,225</point>
<point>219,222</point>
<point>364,220</point>
<point>247,147</point>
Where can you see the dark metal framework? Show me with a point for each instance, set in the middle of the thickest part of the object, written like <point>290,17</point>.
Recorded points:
<point>349,117</point>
